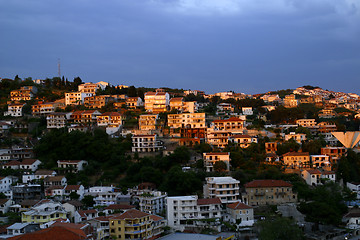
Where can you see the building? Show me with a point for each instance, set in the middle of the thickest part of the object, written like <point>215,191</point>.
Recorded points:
<point>296,159</point>
<point>89,87</point>
<point>110,119</point>
<point>148,122</point>
<point>57,120</point>
<point>240,214</point>
<point>313,177</point>
<point>14,110</point>
<point>290,101</point>
<point>233,125</point>
<point>271,147</point>
<point>5,205</point>
<point>157,102</point>
<point>132,224</point>
<point>225,188</point>
<point>26,192</point>
<point>211,158</point>
<point>242,141</point>
<point>247,110</point>
<point>146,143</point>
<point>42,109</point>
<point>5,185</point>
<point>268,192</point>
<point>78,189</point>
<point>355,188</point>
<point>55,181</point>
<point>76,98</point>
<point>187,120</point>
<point>177,103</point>
<point>97,101</point>
<point>72,165</point>
<point>335,153</point>
<point>44,212</point>
<point>134,102</point>
<point>152,202</point>
<point>306,122</point>
<point>322,161</point>
<point>85,117</point>
<point>297,137</point>
<point>188,211</point>
<point>25,93</point>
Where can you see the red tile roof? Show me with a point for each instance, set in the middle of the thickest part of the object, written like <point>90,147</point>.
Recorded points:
<point>238,205</point>
<point>131,214</point>
<point>295,154</point>
<point>232,119</point>
<point>156,218</point>
<point>207,201</point>
<point>28,161</point>
<point>12,163</point>
<point>217,153</point>
<point>53,233</point>
<point>267,183</point>
<point>72,187</point>
<point>313,171</point>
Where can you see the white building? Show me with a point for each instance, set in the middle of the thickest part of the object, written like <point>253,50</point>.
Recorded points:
<point>313,176</point>
<point>225,188</point>
<point>14,110</point>
<point>76,98</point>
<point>247,111</point>
<point>57,120</point>
<point>184,211</point>
<point>72,165</point>
<point>5,185</point>
<point>240,214</point>
<point>152,202</point>
<point>354,187</point>
<point>298,137</point>
<point>146,143</point>
<point>156,102</point>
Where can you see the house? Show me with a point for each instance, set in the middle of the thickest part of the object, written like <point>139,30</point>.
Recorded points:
<point>55,181</point>
<point>25,93</point>
<point>11,165</point>
<point>14,110</point>
<point>211,158</point>
<point>306,122</point>
<point>187,120</point>
<point>247,111</point>
<point>71,207</point>
<point>313,176</point>
<point>110,119</point>
<point>296,159</point>
<point>157,101</point>
<point>298,137</point>
<point>224,108</point>
<point>177,103</point>
<point>42,109</point>
<point>188,211</point>
<point>134,102</point>
<point>225,188</point>
<point>5,184</point>
<point>133,224</point>
<point>146,143</point>
<point>76,98</point>
<point>148,121</point>
<point>96,102</point>
<point>57,120</point>
<point>5,205</point>
<point>44,212</point>
<point>268,192</point>
<point>290,101</point>
<point>322,161</point>
<point>26,192</point>
<point>352,219</point>
<point>85,215</point>
<point>78,189</point>
<point>240,214</point>
<point>85,117</point>
<point>355,188</point>
<point>55,192</point>
<point>242,140</point>
<point>29,164</point>
<point>22,228</point>
<point>72,165</point>
<point>38,175</point>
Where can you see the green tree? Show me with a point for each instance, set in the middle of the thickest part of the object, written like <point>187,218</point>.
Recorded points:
<point>220,166</point>
<point>279,229</point>
<point>88,201</point>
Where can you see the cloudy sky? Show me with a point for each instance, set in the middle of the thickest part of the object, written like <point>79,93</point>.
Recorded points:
<point>249,46</point>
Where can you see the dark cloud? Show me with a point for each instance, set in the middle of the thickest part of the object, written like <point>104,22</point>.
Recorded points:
<point>241,45</point>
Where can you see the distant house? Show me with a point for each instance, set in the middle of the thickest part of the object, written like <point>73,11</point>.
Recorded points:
<point>85,215</point>
<point>313,176</point>
<point>72,165</point>
<point>211,158</point>
<point>240,214</point>
<point>14,110</point>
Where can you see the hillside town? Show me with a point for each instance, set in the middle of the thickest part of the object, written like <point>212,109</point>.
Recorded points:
<point>97,161</point>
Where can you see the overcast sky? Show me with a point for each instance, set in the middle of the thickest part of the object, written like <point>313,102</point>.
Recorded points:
<point>249,46</point>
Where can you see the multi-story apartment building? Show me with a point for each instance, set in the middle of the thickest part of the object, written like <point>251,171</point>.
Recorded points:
<point>152,202</point>
<point>14,110</point>
<point>5,185</point>
<point>176,103</point>
<point>271,147</point>
<point>195,92</point>
<point>57,119</point>
<point>290,101</point>
<point>132,224</point>
<point>97,101</point>
<point>146,143</point>
<point>187,120</point>
<point>268,192</point>
<point>233,125</point>
<point>296,159</point>
<point>76,98</point>
<point>26,192</point>
<point>322,161</point>
<point>110,119</point>
<point>134,102</point>
<point>224,188</point>
<point>89,87</point>
<point>306,122</point>
<point>157,102</point>
<point>44,108</point>
<point>188,211</point>
<point>148,121</point>
<point>211,158</point>
<point>25,93</point>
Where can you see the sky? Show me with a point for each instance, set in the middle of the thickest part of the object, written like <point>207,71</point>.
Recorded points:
<point>249,46</point>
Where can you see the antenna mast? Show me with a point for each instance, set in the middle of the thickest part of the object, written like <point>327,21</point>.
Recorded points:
<point>59,68</point>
